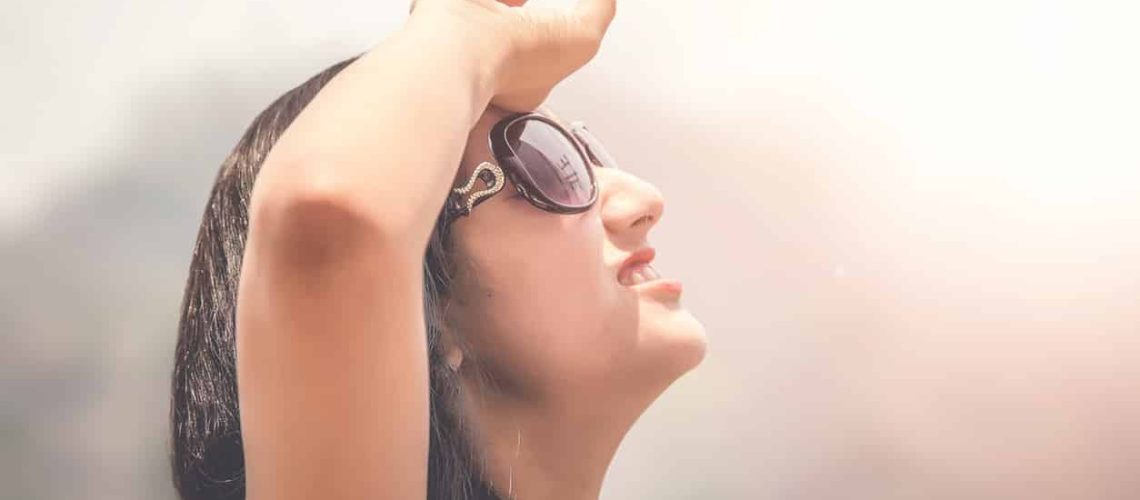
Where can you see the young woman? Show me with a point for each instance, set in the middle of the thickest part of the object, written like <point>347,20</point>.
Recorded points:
<point>435,288</point>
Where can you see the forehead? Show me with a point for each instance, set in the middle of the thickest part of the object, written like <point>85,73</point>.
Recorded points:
<point>494,113</point>
<point>550,114</point>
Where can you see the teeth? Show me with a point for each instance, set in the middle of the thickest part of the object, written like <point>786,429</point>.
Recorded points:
<point>640,274</point>
<point>650,272</point>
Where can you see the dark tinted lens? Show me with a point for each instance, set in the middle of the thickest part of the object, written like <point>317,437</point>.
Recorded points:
<point>594,147</point>
<point>551,161</point>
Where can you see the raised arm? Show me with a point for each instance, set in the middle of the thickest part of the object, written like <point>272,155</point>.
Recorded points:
<point>332,358</point>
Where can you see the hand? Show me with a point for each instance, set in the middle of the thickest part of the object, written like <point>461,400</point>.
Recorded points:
<point>532,47</point>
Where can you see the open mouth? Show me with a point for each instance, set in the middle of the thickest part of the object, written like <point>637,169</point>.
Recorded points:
<point>638,273</point>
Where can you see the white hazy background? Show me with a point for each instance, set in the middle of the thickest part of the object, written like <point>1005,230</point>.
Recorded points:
<point>911,229</point>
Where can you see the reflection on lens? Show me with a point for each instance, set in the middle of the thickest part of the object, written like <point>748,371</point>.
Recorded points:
<point>594,147</point>
<point>551,161</point>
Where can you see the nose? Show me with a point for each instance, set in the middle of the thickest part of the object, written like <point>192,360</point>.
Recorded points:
<point>630,205</point>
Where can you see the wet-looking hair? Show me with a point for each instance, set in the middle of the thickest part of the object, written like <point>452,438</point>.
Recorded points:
<point>206,448</point>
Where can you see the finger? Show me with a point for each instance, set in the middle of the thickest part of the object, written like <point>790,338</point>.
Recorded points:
<point>596,14</point>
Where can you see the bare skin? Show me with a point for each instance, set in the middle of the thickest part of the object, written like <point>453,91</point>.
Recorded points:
<point>332,361</point>
<point>577,355</point>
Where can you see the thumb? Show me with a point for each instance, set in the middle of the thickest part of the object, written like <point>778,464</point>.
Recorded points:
<point>596,14</point>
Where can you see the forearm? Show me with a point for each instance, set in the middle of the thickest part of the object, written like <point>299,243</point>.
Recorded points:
<point>332,357</point>
<point>386,135</point>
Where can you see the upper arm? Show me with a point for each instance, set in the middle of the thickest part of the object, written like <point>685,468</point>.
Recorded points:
<point>332,356</point>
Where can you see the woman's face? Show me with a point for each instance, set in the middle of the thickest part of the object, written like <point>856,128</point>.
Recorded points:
<point>538,303</point>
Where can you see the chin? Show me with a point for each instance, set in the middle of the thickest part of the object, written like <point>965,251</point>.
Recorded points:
<point>677,338</point>
<point>691,342</point>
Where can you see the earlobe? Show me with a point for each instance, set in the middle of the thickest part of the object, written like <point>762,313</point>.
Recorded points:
<point>454,359</point>
<point>452,348</point>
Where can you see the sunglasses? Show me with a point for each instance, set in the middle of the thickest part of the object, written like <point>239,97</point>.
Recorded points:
<point>550,167</point>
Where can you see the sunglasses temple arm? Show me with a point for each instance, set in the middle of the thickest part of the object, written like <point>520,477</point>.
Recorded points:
<point>458,208</point>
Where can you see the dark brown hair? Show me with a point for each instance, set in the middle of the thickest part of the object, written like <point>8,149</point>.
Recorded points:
<point>206,452</point>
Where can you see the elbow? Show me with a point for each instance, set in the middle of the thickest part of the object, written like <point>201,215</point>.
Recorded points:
<point>316,221</point>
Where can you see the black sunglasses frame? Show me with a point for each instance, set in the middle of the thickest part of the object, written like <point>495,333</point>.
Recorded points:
<point>510,166</point>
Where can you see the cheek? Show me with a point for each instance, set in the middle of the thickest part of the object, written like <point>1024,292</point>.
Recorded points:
<point>556,310</point>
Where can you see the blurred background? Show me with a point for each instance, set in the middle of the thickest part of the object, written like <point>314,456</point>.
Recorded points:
<point>911,229</point>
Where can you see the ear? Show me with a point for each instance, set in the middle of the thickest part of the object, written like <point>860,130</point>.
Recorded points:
<point>454,358</point>
<point>452,351</point>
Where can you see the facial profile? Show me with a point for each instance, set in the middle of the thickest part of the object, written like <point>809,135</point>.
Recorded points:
<point>545,306</point>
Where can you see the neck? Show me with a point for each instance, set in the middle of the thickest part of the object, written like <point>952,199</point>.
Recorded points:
<point>555,451</point>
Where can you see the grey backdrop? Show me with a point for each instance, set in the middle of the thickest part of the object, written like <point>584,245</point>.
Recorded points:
<point>910,228</point>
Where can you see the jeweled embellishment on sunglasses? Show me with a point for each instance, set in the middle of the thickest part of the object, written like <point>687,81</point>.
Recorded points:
<point>492,188</point>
